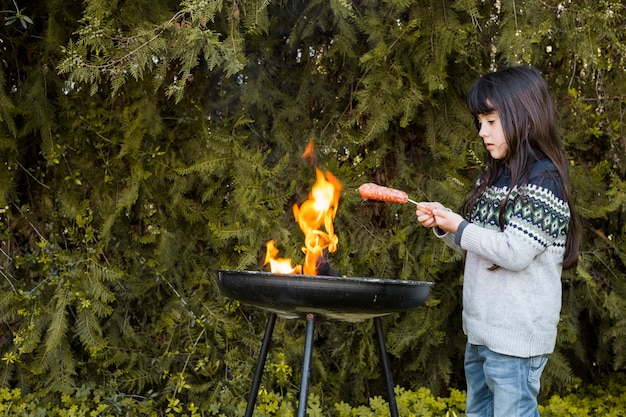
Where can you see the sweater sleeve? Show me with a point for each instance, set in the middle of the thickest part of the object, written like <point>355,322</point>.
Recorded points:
<point>450,239</point>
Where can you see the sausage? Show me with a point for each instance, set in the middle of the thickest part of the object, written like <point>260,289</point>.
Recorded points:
<point>373,191</point>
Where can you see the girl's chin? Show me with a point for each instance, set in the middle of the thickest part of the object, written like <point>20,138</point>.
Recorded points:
<point>496,153</point>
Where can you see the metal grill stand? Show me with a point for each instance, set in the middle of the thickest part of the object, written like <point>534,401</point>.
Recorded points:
<point>295,296</point>
<point>306,365</point>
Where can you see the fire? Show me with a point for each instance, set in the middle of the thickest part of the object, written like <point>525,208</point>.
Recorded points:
<point>314,214</point>
<point>319,210</point>
<point>280,265</point>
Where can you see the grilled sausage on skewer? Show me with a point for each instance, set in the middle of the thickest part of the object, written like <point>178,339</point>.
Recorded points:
<point>378,192</point>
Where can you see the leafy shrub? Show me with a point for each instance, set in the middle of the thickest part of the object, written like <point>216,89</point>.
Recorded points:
<point>607,400</point>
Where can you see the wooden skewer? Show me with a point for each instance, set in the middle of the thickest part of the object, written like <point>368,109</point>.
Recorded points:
<point>420,205</point>
<point>415,202</point>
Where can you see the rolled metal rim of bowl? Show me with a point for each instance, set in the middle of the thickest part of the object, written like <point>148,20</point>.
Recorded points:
<point>294,296</point>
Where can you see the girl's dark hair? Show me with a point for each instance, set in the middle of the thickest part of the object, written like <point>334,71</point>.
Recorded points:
<point>526,110</point>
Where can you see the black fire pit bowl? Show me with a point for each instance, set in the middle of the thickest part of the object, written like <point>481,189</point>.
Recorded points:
<point>293,296</point>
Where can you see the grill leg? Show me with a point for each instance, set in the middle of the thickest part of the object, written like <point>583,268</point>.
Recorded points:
<point>306,365</point>
<point>384,359</point>
<point>258,373</point>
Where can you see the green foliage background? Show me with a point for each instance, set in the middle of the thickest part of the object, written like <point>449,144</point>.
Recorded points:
<point>145,144</point>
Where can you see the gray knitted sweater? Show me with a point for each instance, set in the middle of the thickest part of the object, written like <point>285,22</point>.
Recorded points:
<point>514,309</point>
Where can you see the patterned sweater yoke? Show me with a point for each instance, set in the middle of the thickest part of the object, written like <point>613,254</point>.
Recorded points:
<point>537,210</point>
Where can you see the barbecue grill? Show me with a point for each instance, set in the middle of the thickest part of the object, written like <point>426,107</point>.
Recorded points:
<point>296,296</point>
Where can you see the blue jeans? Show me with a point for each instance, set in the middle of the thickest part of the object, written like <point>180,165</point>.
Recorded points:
<point>500,385</point>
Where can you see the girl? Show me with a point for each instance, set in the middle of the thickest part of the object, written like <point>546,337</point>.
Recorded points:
<point>517,232</point>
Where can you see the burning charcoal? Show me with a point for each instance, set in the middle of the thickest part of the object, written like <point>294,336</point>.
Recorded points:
<point>323,268</point>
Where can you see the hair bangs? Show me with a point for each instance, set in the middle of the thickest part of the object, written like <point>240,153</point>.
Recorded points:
<point>481,97</point>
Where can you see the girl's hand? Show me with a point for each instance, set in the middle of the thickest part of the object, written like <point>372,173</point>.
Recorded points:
<point>432,214</point>
<point>446,219</point>
<point>425,213</point>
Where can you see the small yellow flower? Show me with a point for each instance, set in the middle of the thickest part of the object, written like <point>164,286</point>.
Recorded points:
<point>10,357</point>
<point>173,404</point>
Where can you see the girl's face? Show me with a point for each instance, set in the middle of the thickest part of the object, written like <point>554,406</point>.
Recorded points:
<point>492,133</point>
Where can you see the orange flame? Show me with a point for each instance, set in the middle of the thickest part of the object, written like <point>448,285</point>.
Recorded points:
<point>279,265</point>
<point>319,210</point>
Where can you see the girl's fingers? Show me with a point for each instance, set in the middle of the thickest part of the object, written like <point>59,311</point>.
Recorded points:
<point>427,220</point>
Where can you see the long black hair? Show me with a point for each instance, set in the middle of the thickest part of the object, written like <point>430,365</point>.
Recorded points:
<point>527,112</point>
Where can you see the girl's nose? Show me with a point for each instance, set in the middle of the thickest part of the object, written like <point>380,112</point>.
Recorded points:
<point>482,132</point>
